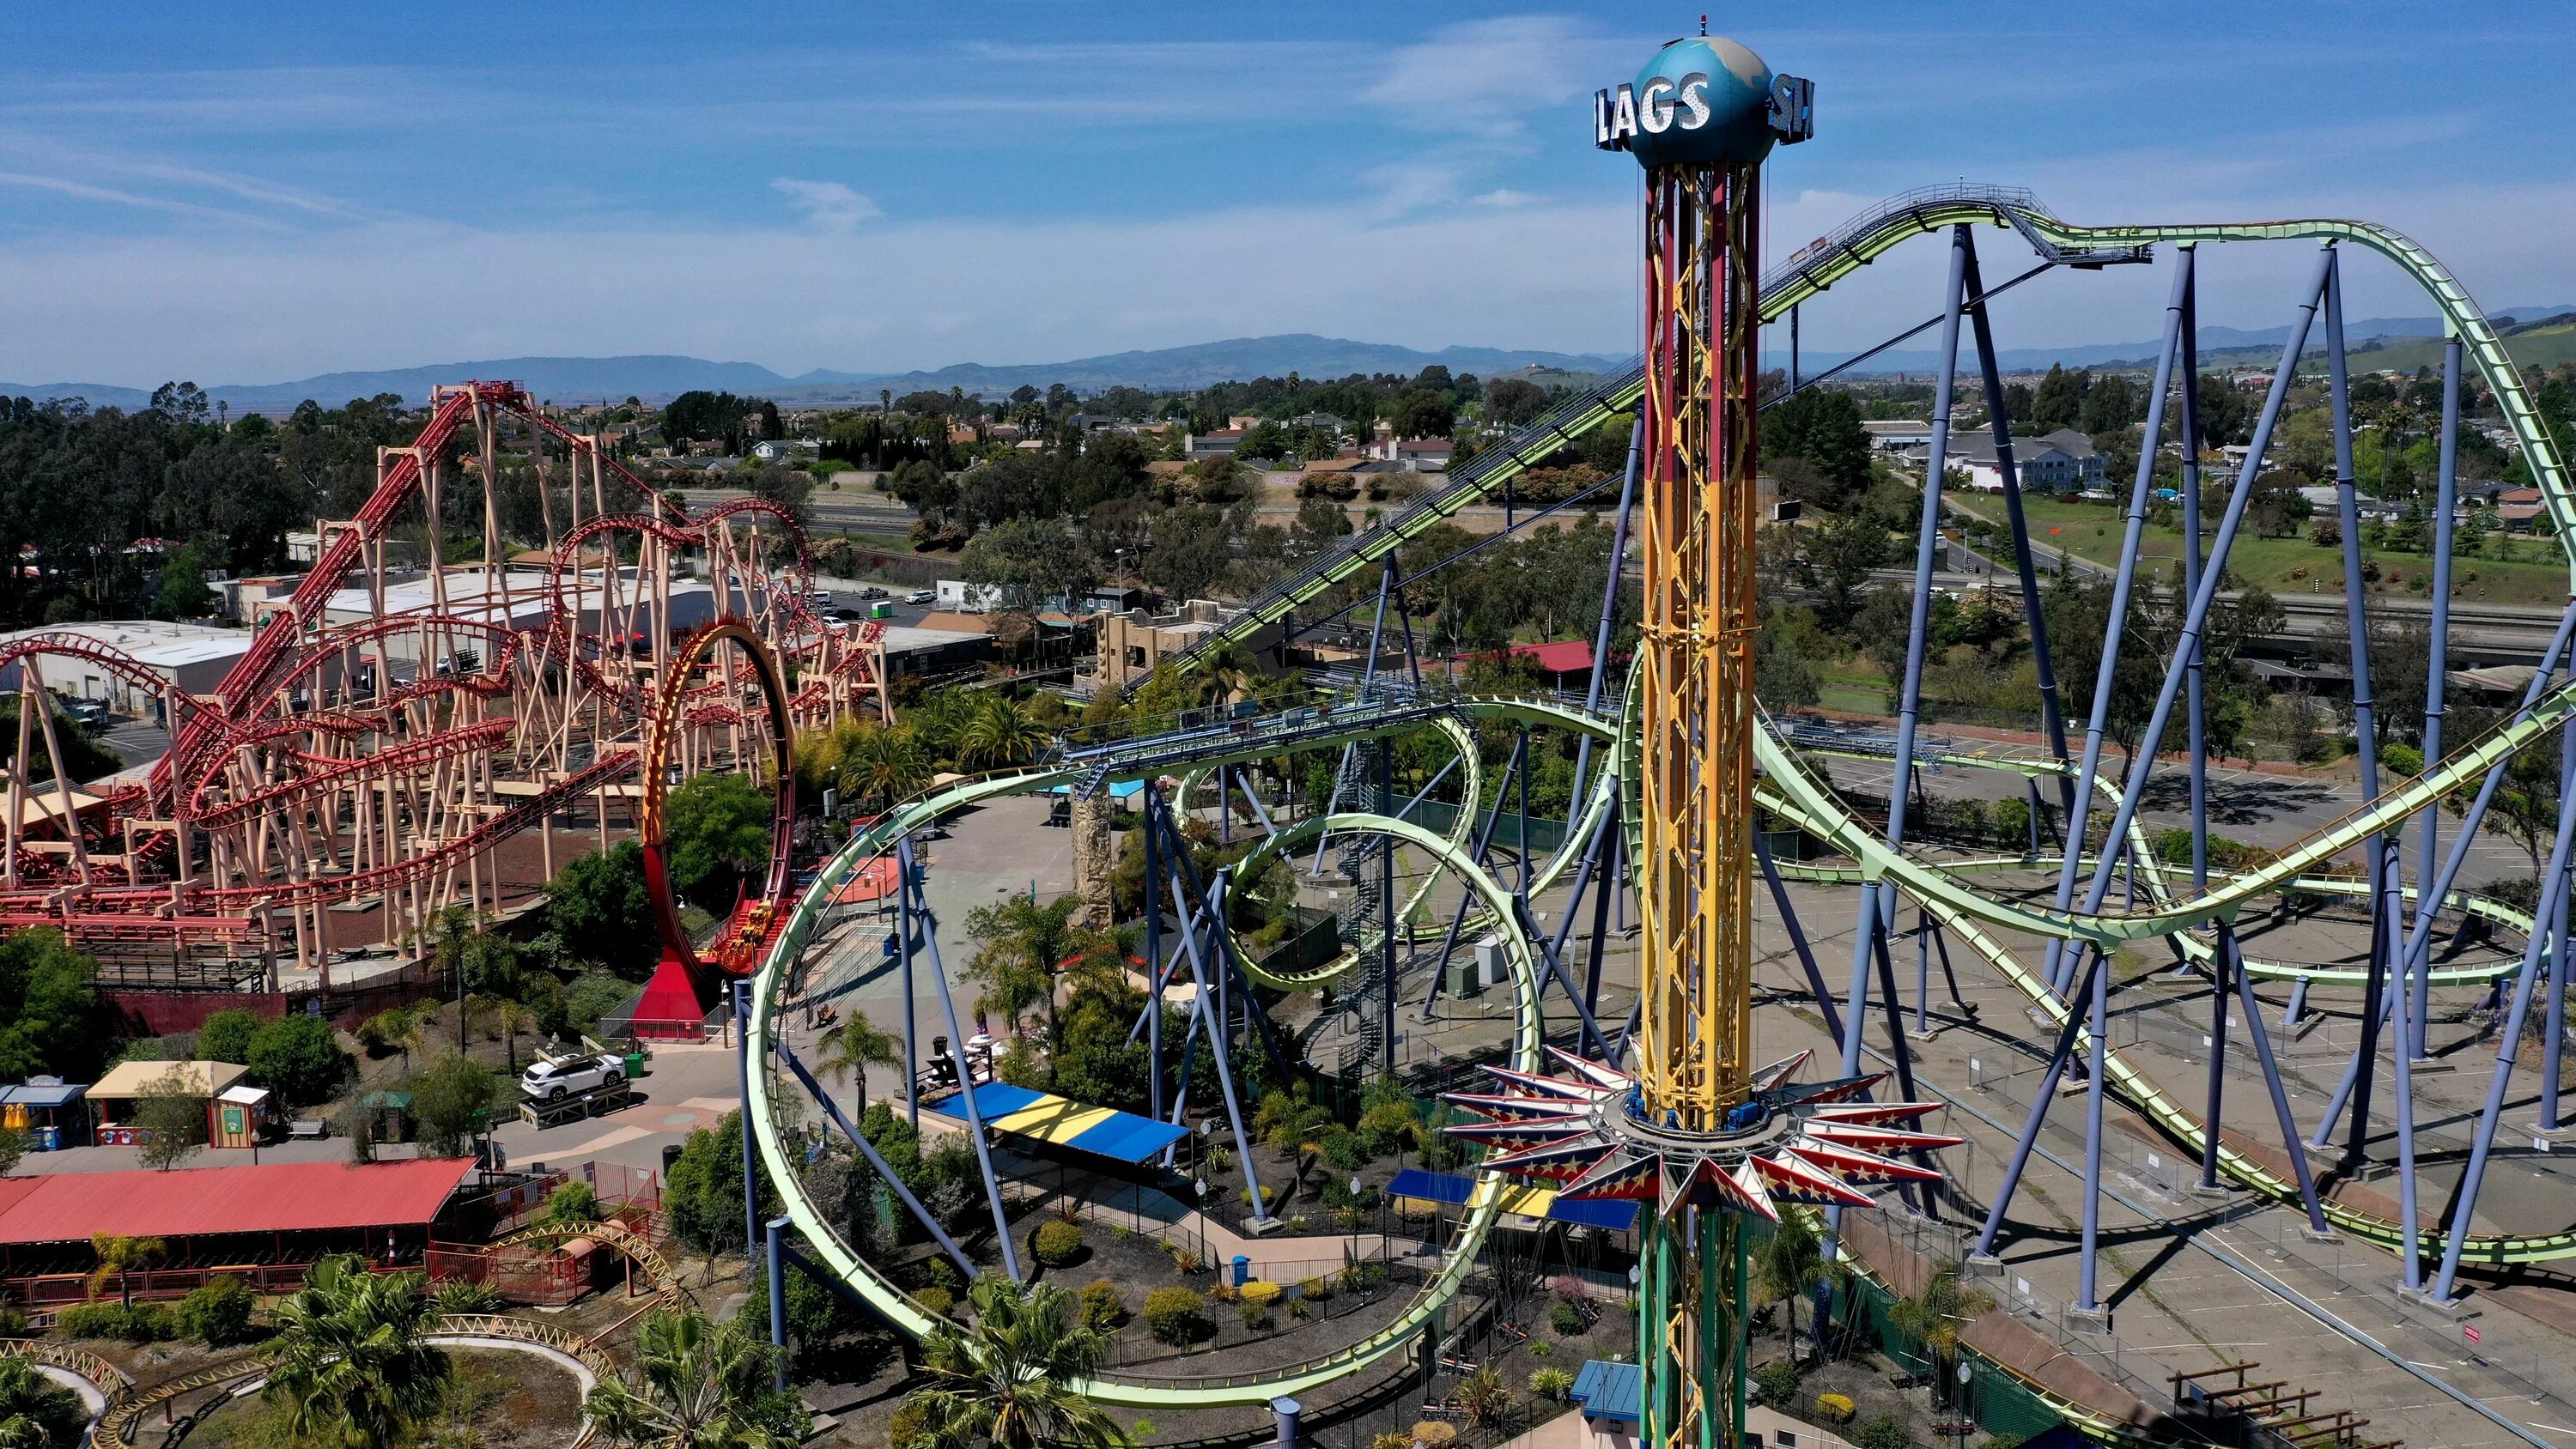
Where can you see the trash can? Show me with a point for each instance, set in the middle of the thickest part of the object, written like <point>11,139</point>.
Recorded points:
<point>49,1138</point>
<point>634,1065</point>
<point>1242,1270</point>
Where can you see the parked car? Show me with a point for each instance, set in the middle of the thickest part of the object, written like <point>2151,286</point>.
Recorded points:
<point>920,596</point>
<point>551,1081</point>
<point>872,592</point>
<point>89,714</point>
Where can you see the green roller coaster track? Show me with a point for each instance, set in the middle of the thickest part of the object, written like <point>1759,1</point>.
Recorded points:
<point>1789,790</point>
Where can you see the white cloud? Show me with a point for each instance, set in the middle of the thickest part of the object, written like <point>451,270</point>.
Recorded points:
<point>828,204</point>
<point>1485,76</point>
<point>1505,196</point>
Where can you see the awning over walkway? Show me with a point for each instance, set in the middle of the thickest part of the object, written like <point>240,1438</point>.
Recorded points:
<point>1614,1391</point>
<point>1616,1214</point>
<point>1439,1187</point>
<point>1061,1122</point>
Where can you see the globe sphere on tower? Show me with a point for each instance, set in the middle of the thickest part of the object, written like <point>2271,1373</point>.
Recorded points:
<point>1699,72</point>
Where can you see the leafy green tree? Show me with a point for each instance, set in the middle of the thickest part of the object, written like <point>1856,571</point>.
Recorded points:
<point>1820,427</point>
<point>47,1007</point>
<point>703,1194</point>
<point>716,832</point>
<point>172,1113</point>
<point>697,1386</point>
<point>450,1098</point>
<point>1033,561</point>
<point>2058,402</point>
<point>182,593</point>
<point>1006,1378</point>
<point>1513,401</point>
<point>1421,412</point>
<point>84,758</point>
<point>352,1354</point>
<point>1836,558</point>
<point>300,1058</point>
<point>602,910</point>
<point>225,1036</point>
<point>1017,943</point>
<point>573,1202</point>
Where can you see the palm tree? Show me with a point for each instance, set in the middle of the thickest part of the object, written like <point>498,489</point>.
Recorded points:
<point>118,1257</point>
<point>512,1016</point>
<point>1005,1378</point>
<point>34,1413</point>
<point>882,766</point>
<point>1788,1267</point>
<point>353,1355</point>
<point>1934,1316</point>
<point>1000,735</point>
<point>697,1386</point>
<point>853,1044</point>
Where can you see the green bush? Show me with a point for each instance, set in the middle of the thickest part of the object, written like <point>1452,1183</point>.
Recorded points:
<point>1175,1316</point>
<point>1314,1290</point>
<point>1256,1317</point>
<point>1102,1307</point>
<point>218,1312</point>
<point>1057,1243</point>
<point>140,1323</point>
<point>573,1202</point>
<point>1776,1383</point>
<point>300,1058</point>
<point>1565,1318</point>
<point>934,1301</point>
<point>1344,1151</point>
<point>1551,1383</point>
<point>1880,1431</point>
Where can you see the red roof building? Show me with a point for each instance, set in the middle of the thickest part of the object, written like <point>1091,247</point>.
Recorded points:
<point>200,1202</point>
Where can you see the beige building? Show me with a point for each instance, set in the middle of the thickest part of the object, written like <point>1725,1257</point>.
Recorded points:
<point>1133,642</point>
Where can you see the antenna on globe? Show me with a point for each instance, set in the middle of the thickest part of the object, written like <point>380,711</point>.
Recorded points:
<point>1703,27</point>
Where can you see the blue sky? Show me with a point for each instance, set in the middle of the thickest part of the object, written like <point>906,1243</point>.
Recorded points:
<point>248,194</point>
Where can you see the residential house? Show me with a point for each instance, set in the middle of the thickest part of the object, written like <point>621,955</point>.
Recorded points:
<point>1892,435</point>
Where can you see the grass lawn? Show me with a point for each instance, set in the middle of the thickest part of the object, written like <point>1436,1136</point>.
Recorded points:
<point>2535,574</point>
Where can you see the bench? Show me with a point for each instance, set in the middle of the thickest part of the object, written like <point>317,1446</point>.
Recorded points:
<point>307,1129</point>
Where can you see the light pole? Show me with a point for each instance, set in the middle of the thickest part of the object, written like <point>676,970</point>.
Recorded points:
<point>1201,1185</point>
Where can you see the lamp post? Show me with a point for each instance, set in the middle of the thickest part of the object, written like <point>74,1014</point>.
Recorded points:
<point>1201,1185</point>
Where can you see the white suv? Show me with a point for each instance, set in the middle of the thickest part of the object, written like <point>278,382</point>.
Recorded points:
<point>550,1081</point>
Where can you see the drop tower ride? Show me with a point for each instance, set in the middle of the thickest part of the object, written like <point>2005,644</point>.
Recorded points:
<point>1710,1142</point>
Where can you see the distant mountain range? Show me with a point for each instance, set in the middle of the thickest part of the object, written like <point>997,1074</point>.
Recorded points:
<point>2219,346</point>
<point>660,378</point>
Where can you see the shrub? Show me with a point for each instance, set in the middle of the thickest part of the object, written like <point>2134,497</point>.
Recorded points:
<point>1261,1292</point>
<point>1391,1440</point>
<point>934,1301</point>
<point>1314,1290</point>
<point>1488,1400</point>
<point>912,1425</point>
<point>300,1058</point>
<point>1222,1291</point>
<point>1344,1151</point>
<point>1551,1383</point>
<point>1256,1317</point>
<point>942,1273</point>
<point>1432,1433</point>
<point>1881,1431</point>
<point>1565,1318</point>
<point>1102,1307</point>
<point>217,1312</point>
<point>459,1295</point>
<point>1144,1429</point>
<point>1835,1408</point>
<point>1776,1383</point>
<point>1542,1349</point>
<point>1057,1243</point>
<point>140,1323</point>
<point>1175,1316</point>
